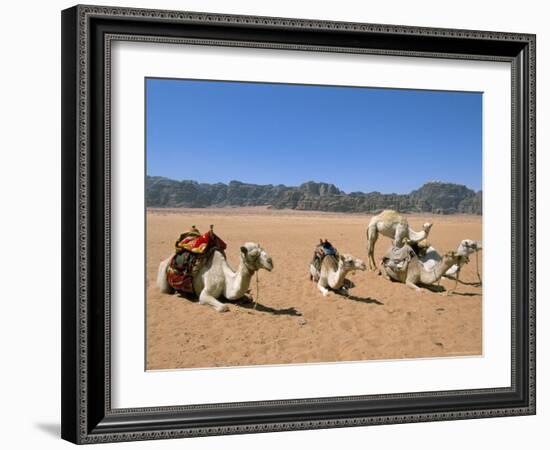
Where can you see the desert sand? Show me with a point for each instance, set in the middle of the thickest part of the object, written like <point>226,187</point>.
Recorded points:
<point>292,322</point>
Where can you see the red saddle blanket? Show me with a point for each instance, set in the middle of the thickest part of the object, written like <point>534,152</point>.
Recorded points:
<point>180,280</point>
<point>193,243</point>
<point>192,251</point>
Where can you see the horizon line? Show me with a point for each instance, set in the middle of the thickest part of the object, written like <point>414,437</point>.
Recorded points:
<point>318,182</point>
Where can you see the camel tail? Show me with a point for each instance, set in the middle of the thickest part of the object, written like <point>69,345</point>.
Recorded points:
<point>162,282</point>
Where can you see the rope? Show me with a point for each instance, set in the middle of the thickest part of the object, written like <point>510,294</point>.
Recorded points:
<point>456,279</point>
<point>477,269</point>
<point>257,288</point>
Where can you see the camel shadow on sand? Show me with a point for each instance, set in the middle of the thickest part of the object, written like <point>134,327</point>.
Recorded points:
<point>248,303</point>
<point>441,290</point>
<point>348,284</point>
<point>433,288</point>
<point>368,300</point>
<point>466,283</point>
<point>474,283</point>
<point>464,294</point>
<point>253,306</point>
<point>356,298</point>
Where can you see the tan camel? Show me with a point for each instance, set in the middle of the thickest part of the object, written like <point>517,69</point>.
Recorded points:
<point>429,257</point>
<point>334,269</point>
<point>402,264</point>
<point>391,224</point>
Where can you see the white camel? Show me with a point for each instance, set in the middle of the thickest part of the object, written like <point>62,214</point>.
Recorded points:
<point>334,269</point>
<point>216,278</point>
<point>402,264</point>
<point>391,224</point>
<point>429,257</point>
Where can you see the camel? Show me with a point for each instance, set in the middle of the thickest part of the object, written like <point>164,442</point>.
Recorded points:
<point>391,224</point>
<point>402,264</point>
<point>429,257</point>
<point>334,269</point>
<point>216,278</point>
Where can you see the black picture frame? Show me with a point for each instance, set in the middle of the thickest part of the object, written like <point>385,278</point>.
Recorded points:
<point>87,416</point>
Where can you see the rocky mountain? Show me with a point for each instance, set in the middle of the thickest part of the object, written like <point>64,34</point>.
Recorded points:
<point>433,197</point>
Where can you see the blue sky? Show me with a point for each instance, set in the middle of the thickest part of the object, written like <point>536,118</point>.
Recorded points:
<point>360,139</point>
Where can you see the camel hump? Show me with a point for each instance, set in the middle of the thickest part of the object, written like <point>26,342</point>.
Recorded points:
<point>330,262</point>
<point>390,215</point>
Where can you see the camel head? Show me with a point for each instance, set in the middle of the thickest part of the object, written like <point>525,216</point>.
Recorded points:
<point>349,263</point>
<point>468,246</point>
<point>255,257</point>
<point>427,227</point>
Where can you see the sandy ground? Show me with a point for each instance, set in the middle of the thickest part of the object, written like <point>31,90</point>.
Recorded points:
<point>293,322</point>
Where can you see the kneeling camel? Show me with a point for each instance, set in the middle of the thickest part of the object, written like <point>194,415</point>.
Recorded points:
<point>334,269</point>
<point>404,266</point>
<point>217,279</point>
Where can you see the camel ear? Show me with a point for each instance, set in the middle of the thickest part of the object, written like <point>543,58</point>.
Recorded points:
<point>244,251</point>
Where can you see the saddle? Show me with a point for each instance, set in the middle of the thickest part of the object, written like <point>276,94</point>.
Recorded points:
<point>192,251</point>
<point>325,248</point>
<point>398,258</point>
<point>192,241</point>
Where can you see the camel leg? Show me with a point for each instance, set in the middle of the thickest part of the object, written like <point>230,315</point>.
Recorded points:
<point>413,286</point>
<point>372,237</point>
<point>207,299</point>
<point>323,286</point>
<point>452,291</point>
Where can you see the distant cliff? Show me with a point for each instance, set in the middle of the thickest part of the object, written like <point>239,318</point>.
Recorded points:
<point>434,197</point>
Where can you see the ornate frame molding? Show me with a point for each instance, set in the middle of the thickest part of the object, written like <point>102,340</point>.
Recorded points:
<point>80,423</point>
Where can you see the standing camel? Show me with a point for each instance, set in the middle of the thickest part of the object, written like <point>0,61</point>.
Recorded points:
<point>391,224</point>
<point>216,279</point>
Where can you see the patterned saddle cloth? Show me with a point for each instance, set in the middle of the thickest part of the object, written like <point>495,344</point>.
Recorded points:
<point>192,241</point>
<point>192,252</point>
<point>325,248</point>
<point>397,258</point>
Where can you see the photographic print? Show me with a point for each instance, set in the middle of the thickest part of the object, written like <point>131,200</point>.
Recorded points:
<point>253,207</point>
<point>295,224</point>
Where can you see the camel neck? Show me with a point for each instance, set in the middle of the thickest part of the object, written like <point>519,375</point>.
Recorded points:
<point>338,278</point>
<point>241,280</point>
<point>439,269</point>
